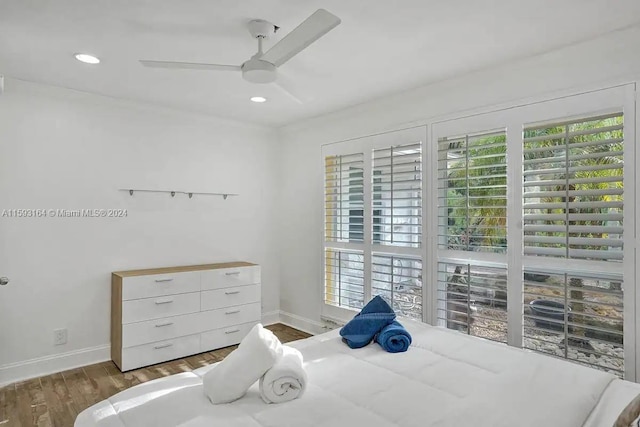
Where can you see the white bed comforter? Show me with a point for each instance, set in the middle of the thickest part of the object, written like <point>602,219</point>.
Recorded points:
<point>445,379</point>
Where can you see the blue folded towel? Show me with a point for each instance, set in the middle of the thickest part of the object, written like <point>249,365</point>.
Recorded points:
<point>365,325</point>
<point>394,338</point>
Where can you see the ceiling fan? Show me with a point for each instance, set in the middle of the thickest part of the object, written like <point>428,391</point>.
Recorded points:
<point>263,66</point>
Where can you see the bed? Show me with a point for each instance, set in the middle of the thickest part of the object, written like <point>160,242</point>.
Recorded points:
<point>445,379</point>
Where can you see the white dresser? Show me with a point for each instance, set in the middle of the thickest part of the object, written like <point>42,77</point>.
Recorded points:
<point>166,313</point>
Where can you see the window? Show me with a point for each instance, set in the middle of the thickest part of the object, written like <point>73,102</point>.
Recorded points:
<point>473,299</point>
<point>573,189</point>
<point>472,187</point>
<point>373,223</point>
<point>575,317</point>
<point>472,217</point>
<point>397,195</point>
<point>527,235</point>
<point>573,209</point>
<point>344,222</point>
<point>398,279</point>
<point>532,228</point>
<point>344,278</point>
<point>344,198</point>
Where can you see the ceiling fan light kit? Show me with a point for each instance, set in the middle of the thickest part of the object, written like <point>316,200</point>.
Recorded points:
<point>257,71</point>
<point>262,67</point>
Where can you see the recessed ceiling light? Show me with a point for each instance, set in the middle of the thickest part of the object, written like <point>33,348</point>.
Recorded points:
<point>258,99</point>
<point>87,59</point>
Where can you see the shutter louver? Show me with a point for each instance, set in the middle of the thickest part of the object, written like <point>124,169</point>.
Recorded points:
<point>472,193</point>
<point>344,198</point>
<point>397,195</point>
<point>398,279</point>
<point>573,189</point>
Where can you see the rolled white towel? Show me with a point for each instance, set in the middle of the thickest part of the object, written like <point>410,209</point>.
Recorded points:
<point>232,377</point>
<point>286,380</point>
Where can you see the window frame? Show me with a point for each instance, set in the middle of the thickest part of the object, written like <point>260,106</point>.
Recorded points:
<point>514,121</point>
<point>513,118</point>
<point>366,145</point>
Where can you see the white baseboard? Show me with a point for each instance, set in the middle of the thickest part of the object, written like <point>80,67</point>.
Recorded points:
<point>271,317</point>
<point>302,323</point>
<point>20,371</point>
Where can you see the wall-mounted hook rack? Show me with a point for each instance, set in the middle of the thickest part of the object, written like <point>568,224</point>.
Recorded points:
<point>173,193</point>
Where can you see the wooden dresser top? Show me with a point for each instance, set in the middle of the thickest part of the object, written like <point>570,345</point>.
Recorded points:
<point>166,270</point>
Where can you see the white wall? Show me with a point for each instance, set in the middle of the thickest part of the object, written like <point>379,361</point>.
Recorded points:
<point>602,62</point>
<point>65,149</point>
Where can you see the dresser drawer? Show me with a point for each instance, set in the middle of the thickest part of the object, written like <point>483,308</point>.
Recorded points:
<point>160,329</point>
<point>149,354</point>
<point>227,297</point>
<point>139,310</point>
<point>224,337</point>
<point>160,284</point>
<point>224,317</point>
<point>230,277</point>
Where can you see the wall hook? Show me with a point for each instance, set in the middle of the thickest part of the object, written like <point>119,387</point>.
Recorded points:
<point>224,196</point>
<point>190,195</point>
<point>173,194</point>
<point>131,192</point>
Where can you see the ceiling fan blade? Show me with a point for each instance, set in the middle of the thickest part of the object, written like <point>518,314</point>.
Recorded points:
<point>287,87</point>
<point>310,30</point>
<point>188,65</point>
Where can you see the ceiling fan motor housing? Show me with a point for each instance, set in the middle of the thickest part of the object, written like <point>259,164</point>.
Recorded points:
<point>258,71</point>
<point>261,28</point>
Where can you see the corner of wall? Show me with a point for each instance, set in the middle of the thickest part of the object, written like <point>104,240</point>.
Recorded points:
<point>271,317</point>
<point>302,323</point>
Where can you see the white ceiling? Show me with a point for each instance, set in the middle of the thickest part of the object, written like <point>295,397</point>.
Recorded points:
<point>381,47</point>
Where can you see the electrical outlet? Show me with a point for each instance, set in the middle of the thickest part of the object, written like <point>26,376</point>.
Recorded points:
<point>59,336</point>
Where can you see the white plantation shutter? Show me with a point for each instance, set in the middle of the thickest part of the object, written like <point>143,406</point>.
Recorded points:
<point>344,222</point>
<point>398,279</point>
<point>528,235</point>
<point>575,317</point>
<point>472,231</point>
<point>344,198</point>
<point>571,209</point>
<point>556,190</point>
<point>472,192</point>
<point>344,278</point>
<point>396,216</point>
<point>397,195</point>
<point>473,299</point>
<point>570,300</point>
<point>373,226</point>
<point>573,189</point>
<point>573,200</point>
